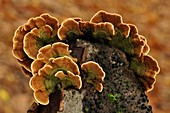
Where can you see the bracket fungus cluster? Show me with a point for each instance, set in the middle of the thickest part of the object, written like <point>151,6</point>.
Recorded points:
<point>42,45</point>
<point>95,74</point>
<point>33,35</point>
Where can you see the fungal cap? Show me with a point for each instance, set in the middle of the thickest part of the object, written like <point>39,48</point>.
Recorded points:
<point>45,53</point>
<point>41,97</point>
<point>29,25</point>
<point>52,21</point>
<point>76,79</point>
<point>124,28</point>
<point>37,82</point>
<point>104,30</point>
<point>66,63</point>
<point>146,47</point>
<point>138,44</point>
<point>30,47</point>
<point>103,16</point>
<point>18,44</point>
<point>93,67</point>
<point>45,70</point>
<point>152,67</point>
<point>133,29</point>
<point>99,86</point>
<point>69,29</point>
<point>61,48</point>
<point>39,22</point>
<point>58,49</point>
<point>35,39</point>
<point>146,68</point>
<point>36,65</point>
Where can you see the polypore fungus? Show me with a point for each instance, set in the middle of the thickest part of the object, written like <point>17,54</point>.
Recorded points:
<point>126,37</point>
<point>39,48</point>
<point>66,64</point>
<point>136,41</point>
<point>103,31</point>
<point>33,35</point>
<point>37,82</point>
<point>36,39</point>
<point>146,47</point>
<point>95,74</point>
<point>103,16</point>
<point>61,72</point>
<point>115,19</point>
<point>97,32</point>
<point>124,28</point>
<point>69,79</point>
<point>40,92</point>
<point>55,50</point>
<point>37,65</point>
<point>69,30</point>
<point>41,97</point>
<point>146,68</point>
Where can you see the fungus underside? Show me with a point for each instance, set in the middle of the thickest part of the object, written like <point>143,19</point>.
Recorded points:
<point>100,35</point>
<point>45,40</point>
<point>72,35</point>
<point>51,81</point>
<point>125,44</point>
<point>138,67</point>
<point>92,78</point>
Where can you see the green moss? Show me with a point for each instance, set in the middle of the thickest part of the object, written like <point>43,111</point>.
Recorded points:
<point>86,109</point>
<point>121,111</point>
<point>113,98</point>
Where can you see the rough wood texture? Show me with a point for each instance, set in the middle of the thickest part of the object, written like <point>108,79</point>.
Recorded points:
<point>122,90</point>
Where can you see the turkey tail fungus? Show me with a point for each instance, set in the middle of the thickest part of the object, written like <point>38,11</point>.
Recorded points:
<point>97,66</point>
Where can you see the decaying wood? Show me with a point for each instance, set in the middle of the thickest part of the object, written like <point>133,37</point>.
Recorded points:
<point>122,90</point>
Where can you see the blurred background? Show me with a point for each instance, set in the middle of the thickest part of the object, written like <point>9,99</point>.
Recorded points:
<point>152,18</point>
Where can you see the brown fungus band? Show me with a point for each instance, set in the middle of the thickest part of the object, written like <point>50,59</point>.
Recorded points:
<point>95,74</point>
<point>41,47</point>
<point>47,52</point>
<point>61,72</point>
<point>134,45</point>
<point>33,35</point>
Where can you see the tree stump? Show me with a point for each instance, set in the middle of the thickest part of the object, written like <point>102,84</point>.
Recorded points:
<point>122,91</point>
